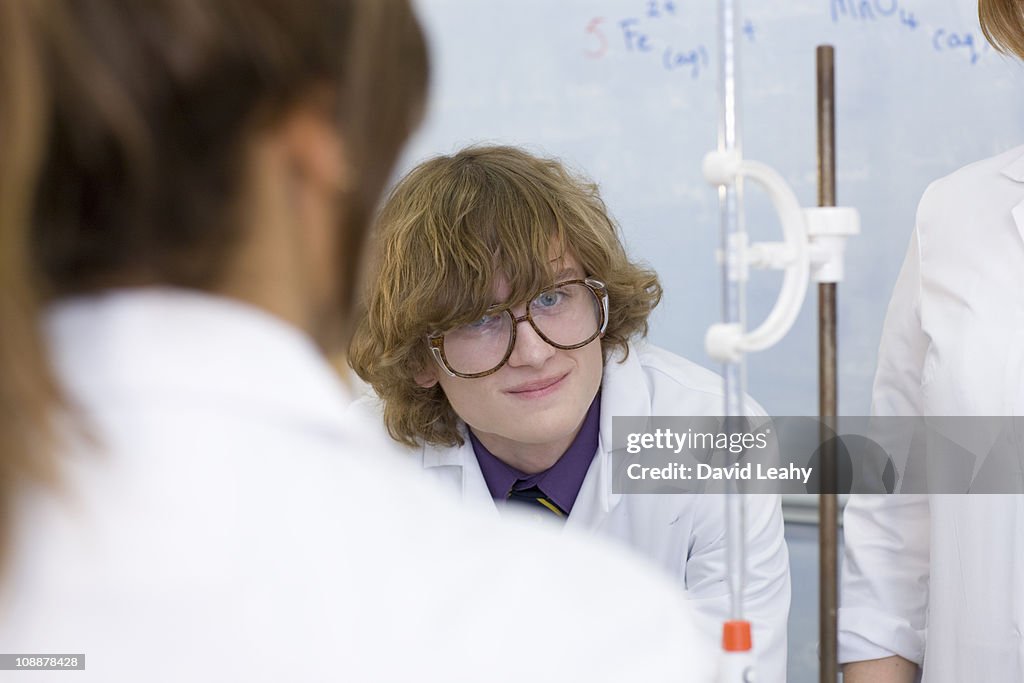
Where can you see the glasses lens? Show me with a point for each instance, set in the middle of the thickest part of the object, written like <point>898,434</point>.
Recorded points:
<point>567,315</point>
<point>480,345</point>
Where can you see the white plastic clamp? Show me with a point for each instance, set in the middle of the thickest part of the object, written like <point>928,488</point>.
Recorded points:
<point>726,342</point>
<point>828,227</point>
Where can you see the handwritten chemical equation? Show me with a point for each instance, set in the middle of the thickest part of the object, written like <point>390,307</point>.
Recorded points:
<point>965,43</point>
<point>643,33</point>
<point>638,35</point>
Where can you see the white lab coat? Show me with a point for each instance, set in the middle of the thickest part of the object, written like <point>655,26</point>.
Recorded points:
<point>235,525</point>
<point>683,533</point>
<point>939,579</point>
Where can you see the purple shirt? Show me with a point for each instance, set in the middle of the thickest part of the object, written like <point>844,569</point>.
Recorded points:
<point>561,482</point>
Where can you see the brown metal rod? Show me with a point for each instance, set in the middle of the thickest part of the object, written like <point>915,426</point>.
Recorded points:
<point>828,518</point>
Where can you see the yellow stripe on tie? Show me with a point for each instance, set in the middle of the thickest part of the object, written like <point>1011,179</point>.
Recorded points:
<point>550,506</point>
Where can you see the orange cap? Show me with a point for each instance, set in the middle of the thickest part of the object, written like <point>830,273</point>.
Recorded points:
<point>736,636</point>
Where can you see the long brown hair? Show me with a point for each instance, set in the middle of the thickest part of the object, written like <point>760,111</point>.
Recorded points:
<point>123,125</point>
<point>1002,22</point>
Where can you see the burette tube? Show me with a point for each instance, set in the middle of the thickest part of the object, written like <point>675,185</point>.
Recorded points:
<point>733,237</point>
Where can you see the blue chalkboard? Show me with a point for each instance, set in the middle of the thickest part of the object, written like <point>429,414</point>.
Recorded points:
<point>625,92</point>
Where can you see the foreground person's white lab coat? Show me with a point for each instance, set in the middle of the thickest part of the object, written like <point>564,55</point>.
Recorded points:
<point>683,533</point>
<point>939,580</point>
<point>235,525</point>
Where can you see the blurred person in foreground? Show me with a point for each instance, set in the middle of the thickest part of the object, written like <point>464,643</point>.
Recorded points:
<point>183,203</point>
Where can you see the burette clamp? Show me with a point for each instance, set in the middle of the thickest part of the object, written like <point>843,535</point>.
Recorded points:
<point>727,342</point>
<point>813,248</point>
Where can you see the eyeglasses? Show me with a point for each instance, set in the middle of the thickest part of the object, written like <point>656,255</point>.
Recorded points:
<point>569,315</point>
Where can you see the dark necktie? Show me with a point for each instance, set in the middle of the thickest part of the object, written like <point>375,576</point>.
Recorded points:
<point>533,499</point>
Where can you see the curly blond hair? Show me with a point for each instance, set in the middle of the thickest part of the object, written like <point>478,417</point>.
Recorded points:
<point>447,231</point>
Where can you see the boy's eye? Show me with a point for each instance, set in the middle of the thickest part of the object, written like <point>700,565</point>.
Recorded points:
<point>485,322</point>
<point>549,299</point>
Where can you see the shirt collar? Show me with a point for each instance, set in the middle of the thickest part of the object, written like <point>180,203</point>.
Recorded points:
<point>122,344</point>
<point>562,481</point>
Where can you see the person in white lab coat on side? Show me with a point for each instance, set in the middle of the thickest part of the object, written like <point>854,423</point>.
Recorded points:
<point>503,334</point>
<point>931,584</point>
<point>183,202</point>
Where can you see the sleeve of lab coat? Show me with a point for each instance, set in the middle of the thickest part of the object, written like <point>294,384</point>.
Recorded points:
<point>766,592</point>
<point>884,586</point>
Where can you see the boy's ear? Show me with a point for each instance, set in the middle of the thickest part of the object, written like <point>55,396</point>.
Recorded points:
<point>426,378</point>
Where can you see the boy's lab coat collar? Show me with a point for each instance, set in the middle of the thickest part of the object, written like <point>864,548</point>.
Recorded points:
<point>624,391</point>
